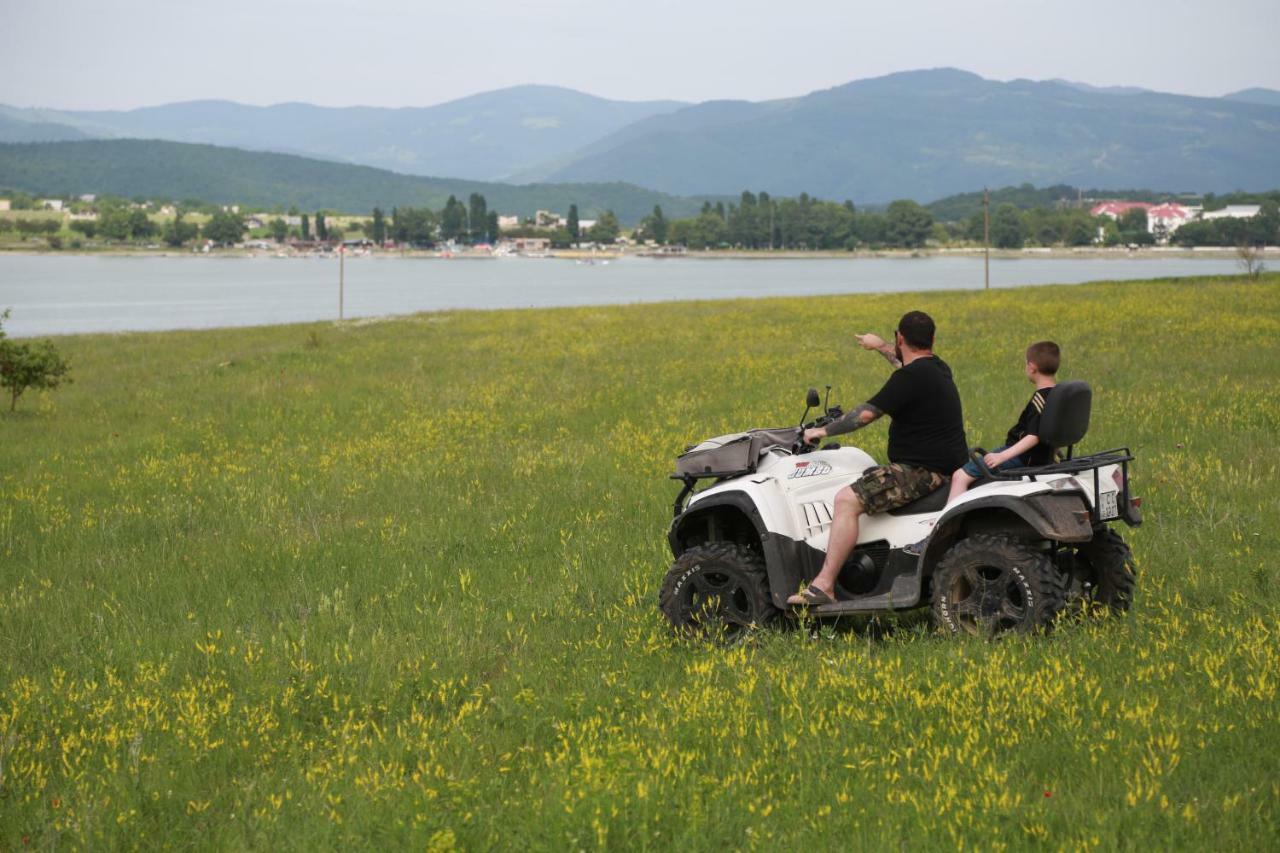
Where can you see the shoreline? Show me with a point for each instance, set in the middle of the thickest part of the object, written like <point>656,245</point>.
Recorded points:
<point>1052,253</point>
<point>432,315</point>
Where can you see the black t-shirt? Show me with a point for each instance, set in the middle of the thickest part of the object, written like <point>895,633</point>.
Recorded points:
<point>1029,424</point>
<point>927,428</point>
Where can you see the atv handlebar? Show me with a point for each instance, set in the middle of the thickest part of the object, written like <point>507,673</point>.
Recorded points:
<point>832,415</point>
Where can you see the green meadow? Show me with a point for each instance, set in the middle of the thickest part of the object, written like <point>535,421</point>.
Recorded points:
<point>393,584</point>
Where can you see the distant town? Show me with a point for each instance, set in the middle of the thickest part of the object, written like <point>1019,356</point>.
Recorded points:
<point>751,222</point>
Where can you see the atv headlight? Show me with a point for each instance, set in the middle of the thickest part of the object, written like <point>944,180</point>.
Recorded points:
<point>1066,484</point>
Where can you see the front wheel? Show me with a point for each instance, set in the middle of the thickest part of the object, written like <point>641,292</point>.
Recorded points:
<point>987,585</point>
<point>719,589</point>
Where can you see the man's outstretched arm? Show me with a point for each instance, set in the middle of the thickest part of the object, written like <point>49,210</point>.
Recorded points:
<point>854,419</point>
<point>875,342</point>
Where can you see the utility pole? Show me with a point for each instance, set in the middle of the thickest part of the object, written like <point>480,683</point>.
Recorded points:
<point>342,276</point>
<point>986,239</point>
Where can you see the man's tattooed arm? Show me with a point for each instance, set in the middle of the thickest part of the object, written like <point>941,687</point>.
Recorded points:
<point>854,419</point>
<point>886,350</point>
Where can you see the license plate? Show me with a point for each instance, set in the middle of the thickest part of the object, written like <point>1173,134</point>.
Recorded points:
<point>1107,507</point>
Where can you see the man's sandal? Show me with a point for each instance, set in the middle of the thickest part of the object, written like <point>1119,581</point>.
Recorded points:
<point>811,597</point>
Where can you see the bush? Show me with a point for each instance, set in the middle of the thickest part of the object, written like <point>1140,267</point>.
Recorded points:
<point>29,365</point>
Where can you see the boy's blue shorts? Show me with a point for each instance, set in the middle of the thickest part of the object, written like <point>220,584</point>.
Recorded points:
<point>971,467</point>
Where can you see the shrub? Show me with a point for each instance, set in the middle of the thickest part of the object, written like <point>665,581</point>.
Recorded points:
<point>29,365</point>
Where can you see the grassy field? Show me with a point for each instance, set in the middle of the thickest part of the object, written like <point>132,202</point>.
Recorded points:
<point>394,583</point>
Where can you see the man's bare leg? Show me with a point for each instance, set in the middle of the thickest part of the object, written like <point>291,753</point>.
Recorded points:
<point>840,540</point>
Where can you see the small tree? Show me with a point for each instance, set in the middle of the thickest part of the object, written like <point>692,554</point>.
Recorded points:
<point>478,218</point>
<point>574,229</point>
<point>606,229</point>
<point>907,224</point>
<point>378,230</point>
<point>225,227</point>
<point>1007,228</point>
<point>453,220</point>
<point>24,365</point>
<point>279,230</point>
<point>1249,259</point>
<point>178,231</point>
<point>654,227</point>
<point>87,227</point>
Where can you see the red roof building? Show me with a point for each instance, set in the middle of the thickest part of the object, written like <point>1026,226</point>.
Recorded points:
<point>1116,209</point>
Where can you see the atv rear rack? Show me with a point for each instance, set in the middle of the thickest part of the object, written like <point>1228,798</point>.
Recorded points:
<point>1076,465</point>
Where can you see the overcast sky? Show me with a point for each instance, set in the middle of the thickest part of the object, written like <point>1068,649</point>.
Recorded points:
<point>114,54</point>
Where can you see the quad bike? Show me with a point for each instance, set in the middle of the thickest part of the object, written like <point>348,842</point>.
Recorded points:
<point>1018,548</point>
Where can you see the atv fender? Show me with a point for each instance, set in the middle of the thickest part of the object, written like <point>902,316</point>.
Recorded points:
<point>733,516</point>
<point>1056,516</point>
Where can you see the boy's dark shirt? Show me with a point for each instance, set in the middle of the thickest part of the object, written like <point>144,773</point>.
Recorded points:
<point>1029,424</point>
<point>927,427</point>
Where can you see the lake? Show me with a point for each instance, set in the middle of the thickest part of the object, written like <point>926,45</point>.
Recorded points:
<point>60,294</point>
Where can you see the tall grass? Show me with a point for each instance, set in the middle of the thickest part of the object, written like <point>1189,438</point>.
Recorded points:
<point>395,583</point>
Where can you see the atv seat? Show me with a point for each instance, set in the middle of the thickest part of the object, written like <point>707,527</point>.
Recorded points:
<point>931,502</point>
<point>1065,419</point>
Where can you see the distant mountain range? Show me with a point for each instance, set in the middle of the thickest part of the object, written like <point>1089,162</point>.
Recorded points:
<point>482,137</point>
<point>1270,97</point>
<point>929,134</point>
<point>178,170</point>
<point>919,134</point>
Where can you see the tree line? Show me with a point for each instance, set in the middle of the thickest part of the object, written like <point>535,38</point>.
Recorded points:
<point>758,221</point>
<point>753,221</point>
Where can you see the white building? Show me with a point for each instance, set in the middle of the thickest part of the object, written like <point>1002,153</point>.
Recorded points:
<point>51,203</point>
<point>88,197</point>
<point>508,223</point>
<point>5,203</point>
<point>1164,219</point>
<point>1234,211</point>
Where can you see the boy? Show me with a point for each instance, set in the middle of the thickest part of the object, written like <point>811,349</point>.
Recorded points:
<point>1022,446</point>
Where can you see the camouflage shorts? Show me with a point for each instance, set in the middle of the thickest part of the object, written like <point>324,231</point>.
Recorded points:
<point>887,487</point>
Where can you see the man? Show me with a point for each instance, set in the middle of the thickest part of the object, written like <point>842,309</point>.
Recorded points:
<point>926,442</point>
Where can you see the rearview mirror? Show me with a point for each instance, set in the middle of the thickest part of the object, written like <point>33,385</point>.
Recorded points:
<point>812,399</point>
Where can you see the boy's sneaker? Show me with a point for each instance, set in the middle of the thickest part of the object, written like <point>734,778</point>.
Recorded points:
<point>915,549</point>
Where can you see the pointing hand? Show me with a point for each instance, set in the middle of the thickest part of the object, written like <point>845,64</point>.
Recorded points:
<point>870,341</point>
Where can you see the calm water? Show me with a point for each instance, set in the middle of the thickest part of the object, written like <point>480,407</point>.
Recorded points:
<point>62,294</point>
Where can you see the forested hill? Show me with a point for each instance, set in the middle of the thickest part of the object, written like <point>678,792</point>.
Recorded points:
<point>483,137</point>
<point>175,170</point>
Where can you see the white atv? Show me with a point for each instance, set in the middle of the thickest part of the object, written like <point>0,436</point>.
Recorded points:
<point>1010,554</point>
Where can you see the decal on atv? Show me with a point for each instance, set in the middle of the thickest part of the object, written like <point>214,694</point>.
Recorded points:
<point>809,469</point>
<point>684,577</point>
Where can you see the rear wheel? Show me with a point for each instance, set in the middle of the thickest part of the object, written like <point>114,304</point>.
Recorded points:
<point>988,585</point>
<point>719,590</point>
<point>1105,573</point>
